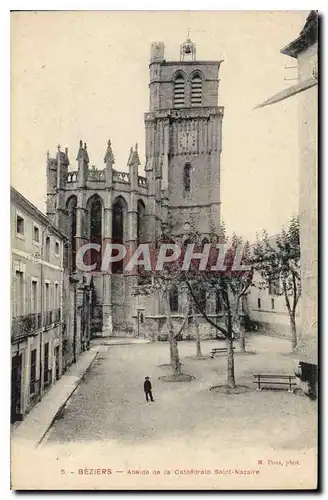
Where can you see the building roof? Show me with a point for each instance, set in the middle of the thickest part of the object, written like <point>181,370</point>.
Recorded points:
<point>307,37</point>
<point>17,198</point>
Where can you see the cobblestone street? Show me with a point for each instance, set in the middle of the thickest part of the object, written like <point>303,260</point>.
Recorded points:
<point>108,424</point>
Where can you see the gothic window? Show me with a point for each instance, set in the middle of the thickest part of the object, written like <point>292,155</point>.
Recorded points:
<point>196,90</point>
<point>179,91</point>
<point>71,208</point>
<point>141,234</point>
<point>96,222</point>
<point>95,230</point>
<point>187,177</point>
<point>119,210</point>
<point>174,299</point>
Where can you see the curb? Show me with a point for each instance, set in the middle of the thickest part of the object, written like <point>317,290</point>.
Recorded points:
<point>62,406</point>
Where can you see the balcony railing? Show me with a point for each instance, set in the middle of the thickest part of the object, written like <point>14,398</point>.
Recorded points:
<point>47,321</point>
<point>22,326</point>
<point>56,315</point>
<point>51,317</point>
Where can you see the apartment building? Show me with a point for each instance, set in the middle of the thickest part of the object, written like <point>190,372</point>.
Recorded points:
<point>37,328</point>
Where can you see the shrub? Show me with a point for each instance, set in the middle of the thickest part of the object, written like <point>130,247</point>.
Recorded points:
<point>249,324</point>
<point>163,337</point>
<point>189,337</point>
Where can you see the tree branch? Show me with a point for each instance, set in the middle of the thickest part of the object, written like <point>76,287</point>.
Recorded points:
<point>203,313</point>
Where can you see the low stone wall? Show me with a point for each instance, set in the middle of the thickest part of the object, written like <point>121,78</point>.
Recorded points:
<point>275,330</point>
<point>155,328</point>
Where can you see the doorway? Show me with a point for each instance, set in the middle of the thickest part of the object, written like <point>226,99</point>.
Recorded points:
<point>16,381</point>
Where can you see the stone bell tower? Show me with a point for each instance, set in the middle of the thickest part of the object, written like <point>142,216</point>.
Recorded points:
<point>184,140</point>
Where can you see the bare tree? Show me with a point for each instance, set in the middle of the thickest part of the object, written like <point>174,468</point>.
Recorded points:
<point>230,285</point>
<point>278,262</point>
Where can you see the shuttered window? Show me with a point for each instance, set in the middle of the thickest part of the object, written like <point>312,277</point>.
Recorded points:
<point>179,92</point>
<point>196,90</point>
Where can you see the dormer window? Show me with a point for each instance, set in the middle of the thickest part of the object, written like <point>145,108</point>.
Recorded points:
<point>179,91</point>
<point>196,90</point>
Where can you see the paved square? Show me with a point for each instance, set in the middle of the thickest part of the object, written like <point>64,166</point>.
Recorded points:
<point>108,423</point>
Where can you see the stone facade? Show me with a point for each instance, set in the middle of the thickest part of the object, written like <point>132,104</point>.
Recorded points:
<point>305,50</point>
<point>181,185</point>
<point>49,307</point>
<point>37,335</point>
<point>268,308</point>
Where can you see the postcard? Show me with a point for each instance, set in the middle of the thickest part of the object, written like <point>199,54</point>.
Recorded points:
<point>164,250</point>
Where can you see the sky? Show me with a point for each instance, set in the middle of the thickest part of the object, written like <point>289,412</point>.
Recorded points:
<point>84,75</point>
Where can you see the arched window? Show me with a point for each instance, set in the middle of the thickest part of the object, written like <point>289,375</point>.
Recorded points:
<point>96,222</point>
<point>174,299</point>
<point>179,91</point>
<point>119,211</point>
<point>71,220</point>
<point>141,227</point>
<point>95,229</point>
<point>187,177</point>
<point>196,90</point>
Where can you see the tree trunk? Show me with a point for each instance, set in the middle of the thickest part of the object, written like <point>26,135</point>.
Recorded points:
<point>231,364</point>
<point>171,351</point>
<point>176,366</point>
<point>174,352</point>
<point>230,354</point>
<point>198,345</point>
<point>242,340</point>
<point>293,329</point>
<point>291,311</point>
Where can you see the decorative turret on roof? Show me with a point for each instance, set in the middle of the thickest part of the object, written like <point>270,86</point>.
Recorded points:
<point>83,153</point>
<point>135,156</point>
<point>62,156</point>
<point>129,162</point>
<point>109,156</point>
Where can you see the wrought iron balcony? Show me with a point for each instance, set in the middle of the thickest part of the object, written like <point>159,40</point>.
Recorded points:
<point>48,320</point>
<point>22,326</point>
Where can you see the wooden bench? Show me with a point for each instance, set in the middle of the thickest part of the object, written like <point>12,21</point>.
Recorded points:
<point>218,350</point>
<point>266,380</point>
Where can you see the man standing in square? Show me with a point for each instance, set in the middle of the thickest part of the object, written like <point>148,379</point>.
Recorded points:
<point>148,389</point>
